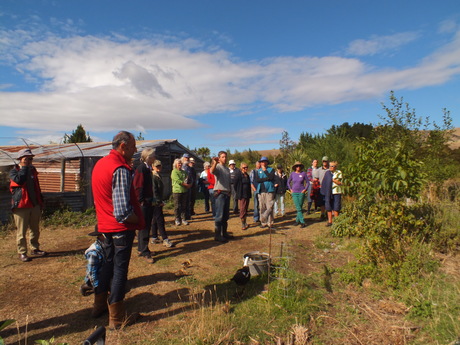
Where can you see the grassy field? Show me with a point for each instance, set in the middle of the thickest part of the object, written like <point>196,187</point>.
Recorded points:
<point>304,300</point>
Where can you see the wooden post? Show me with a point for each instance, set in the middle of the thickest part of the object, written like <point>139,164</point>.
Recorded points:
<point>62,188</point>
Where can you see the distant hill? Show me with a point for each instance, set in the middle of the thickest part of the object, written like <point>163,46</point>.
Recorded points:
<point>455,141</point>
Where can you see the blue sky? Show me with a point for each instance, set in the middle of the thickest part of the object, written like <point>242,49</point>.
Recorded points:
<point>222,74</point>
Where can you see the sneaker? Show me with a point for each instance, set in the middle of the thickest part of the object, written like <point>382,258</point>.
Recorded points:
<point>24,258</point>
<point>38,252</point>
<point>167,243</point>
<point>154,240</point>
<point>184,222</point>
<point>178,222</point>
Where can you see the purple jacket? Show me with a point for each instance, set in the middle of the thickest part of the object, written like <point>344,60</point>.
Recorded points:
<point>298,182</point>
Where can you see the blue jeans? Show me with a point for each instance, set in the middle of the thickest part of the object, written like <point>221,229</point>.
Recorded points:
<point>213,202</point>
<point>256,207</point>
<point>222,202</point>
<point>114,273</point>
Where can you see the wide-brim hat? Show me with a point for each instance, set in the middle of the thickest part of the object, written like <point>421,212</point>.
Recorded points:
<point>231,162</point>
<point>25,153</point>
<point>264,159</point>
<point>95,232</point>
<point>297,163</point>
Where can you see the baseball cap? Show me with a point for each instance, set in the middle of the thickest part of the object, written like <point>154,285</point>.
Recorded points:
<point>186,155</point>
<point>157,163</point>
<point>326,158</point>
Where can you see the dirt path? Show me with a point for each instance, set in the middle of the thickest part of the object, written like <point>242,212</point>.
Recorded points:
<point>43,295</point>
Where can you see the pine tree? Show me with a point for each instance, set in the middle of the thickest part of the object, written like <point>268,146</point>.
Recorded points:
<point>78,136</point>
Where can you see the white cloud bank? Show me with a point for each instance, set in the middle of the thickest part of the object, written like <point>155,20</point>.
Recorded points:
<point>107,83</point>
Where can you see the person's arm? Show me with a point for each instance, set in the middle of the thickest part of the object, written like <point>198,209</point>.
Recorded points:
<point>268,176</point>
<point>19,176</point>
<point>215,160</point>
<point>122,208</point>
<point>139,185</point>
<point>338,179</point>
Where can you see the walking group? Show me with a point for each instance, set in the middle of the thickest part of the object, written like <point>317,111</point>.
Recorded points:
<point>127,200</point>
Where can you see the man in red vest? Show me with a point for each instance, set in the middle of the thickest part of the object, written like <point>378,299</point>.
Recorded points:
<point>27,204</point>
<point>118,215</point>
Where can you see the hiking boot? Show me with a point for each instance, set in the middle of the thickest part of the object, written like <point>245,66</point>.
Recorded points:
<point>100,306</point>
<point>302,225</point>
<point>118,317</point>
<point>329,224</point>
<point>167,243</point>
<point>24,258</point>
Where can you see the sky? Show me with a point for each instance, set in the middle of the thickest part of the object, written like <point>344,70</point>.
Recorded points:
<point>218,73</point>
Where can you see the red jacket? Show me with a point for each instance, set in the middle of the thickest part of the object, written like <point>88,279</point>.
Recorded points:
<point>102,192</point>
<point>18,187</point>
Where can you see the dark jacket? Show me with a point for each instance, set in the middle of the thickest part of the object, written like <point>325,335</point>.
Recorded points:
<point>143,183</point>
<point>18,187</point>
<point>281,181</point>
<point>158,188</point>
<point>326,186</point>
<point>242,186</point>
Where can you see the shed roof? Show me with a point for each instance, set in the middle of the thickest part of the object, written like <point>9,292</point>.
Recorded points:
<point>8,154</point>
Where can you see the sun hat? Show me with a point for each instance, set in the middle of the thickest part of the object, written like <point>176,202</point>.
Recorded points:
<point>263,159</point>
<point>25,153</point>
<point>95,232</point>
<point>297,163</point>
<point>231,162</point>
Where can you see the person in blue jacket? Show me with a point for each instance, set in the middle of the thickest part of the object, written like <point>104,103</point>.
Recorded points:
<point>265,179</point>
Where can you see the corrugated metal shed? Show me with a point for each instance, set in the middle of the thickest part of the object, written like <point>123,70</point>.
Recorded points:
<point>56,152</point>
<point>65,170</point>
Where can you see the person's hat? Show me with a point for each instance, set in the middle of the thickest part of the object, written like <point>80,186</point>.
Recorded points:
<point>25,153</point>
<point>325,159</point>
<point>231,162</point>
<point>297,163</point>
<point>279,166</point>
<point>192,160</point>
<point>263,159</point>
<point>95,232</point>
<point>186,155</point>
<point>157,163</point>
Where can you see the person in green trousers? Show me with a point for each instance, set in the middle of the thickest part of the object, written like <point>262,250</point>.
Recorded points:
<point>298,185</point>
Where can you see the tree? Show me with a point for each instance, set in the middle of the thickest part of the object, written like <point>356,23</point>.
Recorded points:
<point>203,152</point>
<point>78,136</point>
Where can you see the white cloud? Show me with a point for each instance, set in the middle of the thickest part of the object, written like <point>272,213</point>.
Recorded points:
<point>111,83</point>
<point>380,44</point>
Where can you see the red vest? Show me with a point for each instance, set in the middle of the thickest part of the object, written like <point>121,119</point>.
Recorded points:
<point>21,199</point>
<point>102,193</point>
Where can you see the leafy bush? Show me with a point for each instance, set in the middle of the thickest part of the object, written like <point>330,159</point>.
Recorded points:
<point>66,217</point>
